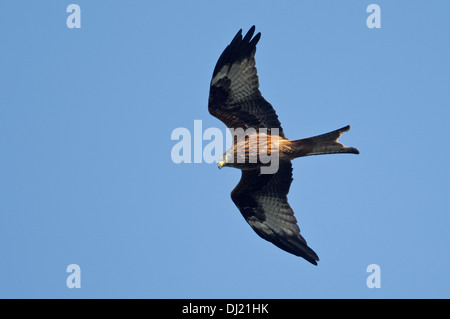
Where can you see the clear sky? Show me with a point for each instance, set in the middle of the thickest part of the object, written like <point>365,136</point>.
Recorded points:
<point>86,175</point>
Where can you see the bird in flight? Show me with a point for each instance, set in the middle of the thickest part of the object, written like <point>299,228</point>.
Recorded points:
<point>260,196</point>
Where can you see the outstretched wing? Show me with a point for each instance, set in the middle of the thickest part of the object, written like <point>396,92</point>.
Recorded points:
<point>262,200</point>
<point>234,97</point>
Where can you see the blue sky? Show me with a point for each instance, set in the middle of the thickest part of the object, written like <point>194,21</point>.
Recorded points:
<point>86,175</point>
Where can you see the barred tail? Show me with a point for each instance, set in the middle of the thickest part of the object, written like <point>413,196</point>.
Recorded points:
<point>322,144</point>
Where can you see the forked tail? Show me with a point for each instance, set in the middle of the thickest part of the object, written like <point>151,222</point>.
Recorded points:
<point>322,144</point>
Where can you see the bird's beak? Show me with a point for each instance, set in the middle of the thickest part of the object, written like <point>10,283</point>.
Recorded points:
<point>221,163</point>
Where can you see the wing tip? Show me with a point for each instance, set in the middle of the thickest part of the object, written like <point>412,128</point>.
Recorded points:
<point>239,48</point>
<point>310,256</point>
<point>312,260</point>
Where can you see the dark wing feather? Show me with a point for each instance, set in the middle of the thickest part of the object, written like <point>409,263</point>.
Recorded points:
<point>234,96</point>
<point>262,200</point>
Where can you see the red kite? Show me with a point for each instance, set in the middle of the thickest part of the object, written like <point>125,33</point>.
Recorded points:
<point>235,99</point>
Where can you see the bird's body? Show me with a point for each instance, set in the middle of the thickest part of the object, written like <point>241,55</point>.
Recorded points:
<point>247,150</point>
<point>259,143</point>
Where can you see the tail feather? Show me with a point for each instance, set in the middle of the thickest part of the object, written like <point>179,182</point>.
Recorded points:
<point>322,144</point>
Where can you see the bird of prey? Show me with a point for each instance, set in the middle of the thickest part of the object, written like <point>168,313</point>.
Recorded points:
<point>261,198</point>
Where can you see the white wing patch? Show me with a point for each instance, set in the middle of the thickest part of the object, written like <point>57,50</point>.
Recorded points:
<point>243,77</point>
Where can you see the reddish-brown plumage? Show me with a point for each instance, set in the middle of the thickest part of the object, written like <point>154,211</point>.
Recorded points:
<point>248,149</point>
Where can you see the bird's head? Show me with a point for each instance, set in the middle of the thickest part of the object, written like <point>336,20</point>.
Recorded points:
<point>227,158</point>
<point>222,160</point>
